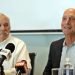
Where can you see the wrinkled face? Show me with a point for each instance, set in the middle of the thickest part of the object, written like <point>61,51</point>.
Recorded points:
<point>4,27</point>
<point>68,22</point>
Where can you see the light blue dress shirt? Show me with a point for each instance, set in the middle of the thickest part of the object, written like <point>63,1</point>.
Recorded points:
<point>68,52</point>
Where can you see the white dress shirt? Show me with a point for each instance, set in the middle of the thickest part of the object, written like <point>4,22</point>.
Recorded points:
<point>20,53</point>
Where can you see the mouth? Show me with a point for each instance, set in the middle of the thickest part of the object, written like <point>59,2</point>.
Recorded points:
<point>3,32</point>
<point>67,27</point>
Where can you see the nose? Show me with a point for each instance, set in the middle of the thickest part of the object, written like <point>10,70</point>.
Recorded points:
<point>1,27</point>
<point>68,21</point>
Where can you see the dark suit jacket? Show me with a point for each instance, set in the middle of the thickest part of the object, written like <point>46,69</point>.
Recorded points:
<point>54,56</point>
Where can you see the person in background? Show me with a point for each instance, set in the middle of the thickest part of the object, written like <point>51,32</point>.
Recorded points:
<point>19,56</point>
<point>63,50</point>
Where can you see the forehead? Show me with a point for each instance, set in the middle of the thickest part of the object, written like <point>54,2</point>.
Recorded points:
<point>3,18</point>
<point>69,12</point>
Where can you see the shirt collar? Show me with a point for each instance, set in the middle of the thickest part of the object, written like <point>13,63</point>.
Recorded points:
<point>64,43</point>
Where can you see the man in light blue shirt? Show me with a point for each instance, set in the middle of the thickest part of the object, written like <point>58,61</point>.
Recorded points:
<point>62,51</point>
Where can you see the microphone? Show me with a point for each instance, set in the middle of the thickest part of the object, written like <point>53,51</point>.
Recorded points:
<point>6,52</point>
<point>21,67</point>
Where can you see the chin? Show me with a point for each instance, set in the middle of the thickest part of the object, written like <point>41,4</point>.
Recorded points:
<point>67,33</point>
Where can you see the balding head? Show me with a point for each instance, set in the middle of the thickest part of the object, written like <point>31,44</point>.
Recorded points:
<point>68,22</point>
<point>70,11</point>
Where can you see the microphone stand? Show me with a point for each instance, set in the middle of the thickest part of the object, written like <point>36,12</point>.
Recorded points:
<point>1,70</point>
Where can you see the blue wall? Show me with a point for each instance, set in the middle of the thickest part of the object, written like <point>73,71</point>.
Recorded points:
<point>39,43</point>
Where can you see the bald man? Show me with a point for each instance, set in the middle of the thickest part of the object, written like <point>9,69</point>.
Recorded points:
<point>20,53</point>
<point>63,50</point>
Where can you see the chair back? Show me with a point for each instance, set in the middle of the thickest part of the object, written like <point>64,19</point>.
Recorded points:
<point>32,57</point>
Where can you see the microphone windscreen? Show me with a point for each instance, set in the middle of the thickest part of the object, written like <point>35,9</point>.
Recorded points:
<point>10,46</point>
